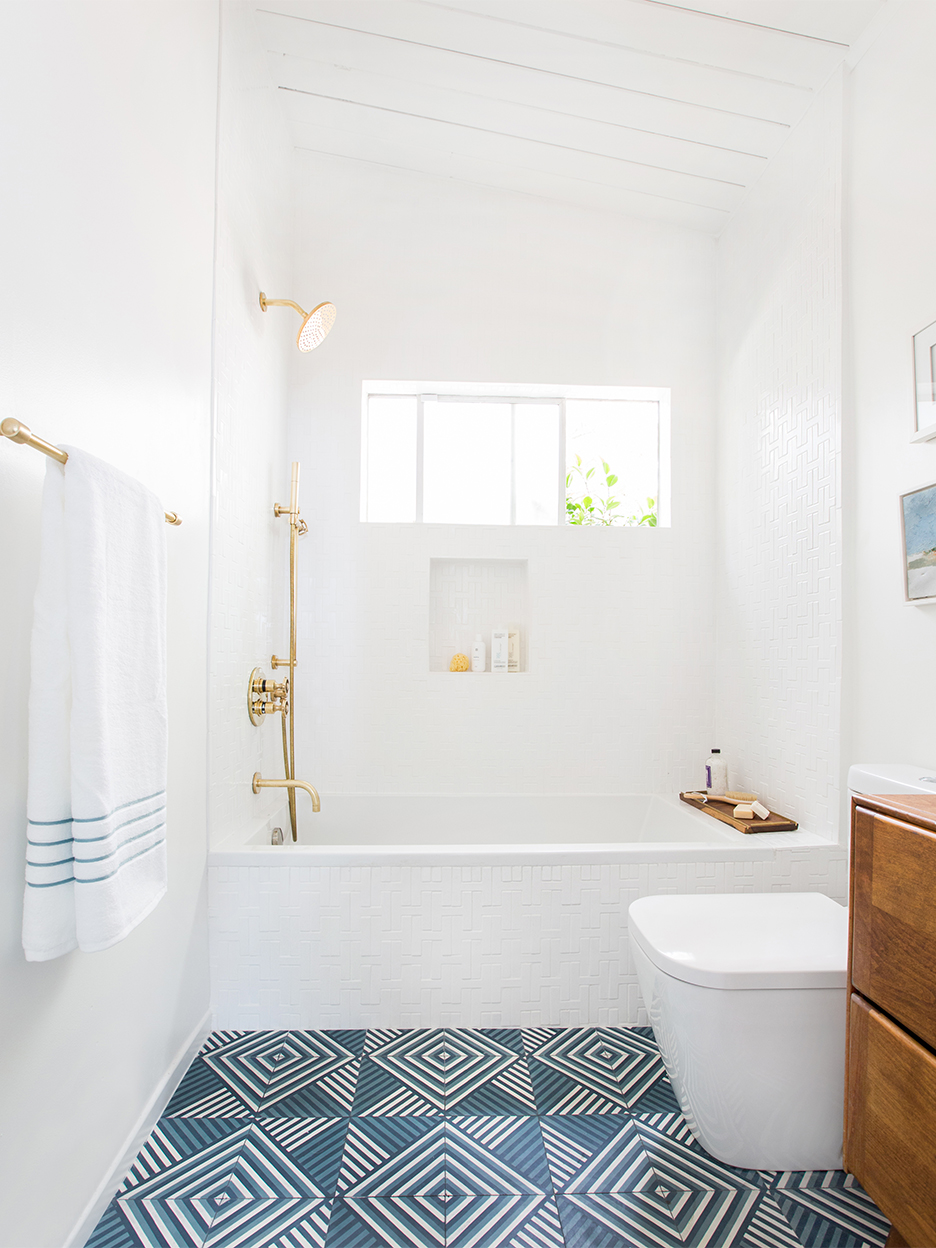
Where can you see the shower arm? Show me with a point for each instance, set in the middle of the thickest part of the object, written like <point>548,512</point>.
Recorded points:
<point>280,303</point>
<point>259,783</point>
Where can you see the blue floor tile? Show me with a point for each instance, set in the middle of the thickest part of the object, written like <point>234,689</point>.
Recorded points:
<point>455,1138</point>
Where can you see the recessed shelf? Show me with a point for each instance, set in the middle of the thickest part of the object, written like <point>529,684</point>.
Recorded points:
<point>469,596</point>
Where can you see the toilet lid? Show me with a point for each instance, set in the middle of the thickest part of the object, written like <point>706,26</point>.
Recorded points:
<point>745,940</point>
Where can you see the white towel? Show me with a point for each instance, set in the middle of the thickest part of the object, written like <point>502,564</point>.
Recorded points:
<point>96,805</point>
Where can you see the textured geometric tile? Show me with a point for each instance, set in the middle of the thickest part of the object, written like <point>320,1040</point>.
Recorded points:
<point>502,1222</point>
<point>174,1139</point>
<point>587,1155</point>
<point>591,1070</point>
<point>201,1094</point>
<point>397,1221</point>
<point>768,1228</point>
<point>829,1209</point>
<point>268,1067</point>
<point>659,1217</point>
<point>487,1072</point>
<point>112,1231</point>
<point>659,1099</point>
<point>495,1156</point>
<point>402,1073</point>
<point>239,1189</point>
<point>315,1145</point>
<point>393,1156</point>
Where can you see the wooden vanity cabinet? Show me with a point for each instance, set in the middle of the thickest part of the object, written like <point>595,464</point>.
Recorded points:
<point>890,1101</point>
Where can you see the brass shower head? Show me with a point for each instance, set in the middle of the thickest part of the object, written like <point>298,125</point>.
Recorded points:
<point>315,324</point>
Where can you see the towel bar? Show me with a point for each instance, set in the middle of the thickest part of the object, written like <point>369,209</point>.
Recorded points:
<point>16,431</point>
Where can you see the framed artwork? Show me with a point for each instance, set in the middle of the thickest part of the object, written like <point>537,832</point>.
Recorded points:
<point>924,384</point>
<point>918,530</point>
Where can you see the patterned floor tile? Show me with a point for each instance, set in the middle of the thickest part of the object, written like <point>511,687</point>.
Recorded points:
<point>393,1157</point>
<point>402,1073</point>
<point>661,1217</point>
<point>486,1072</point>
<point>495,1156</point>
<point>241,1189</point>
<point>315,1145</point>
<point>503,1222</point>
<point>309,1070</point>
<point>608,1153</point>
<point>591,1070</point>
<point>455,1139</point>
<point>829,1209</point>
<point>394,1221</point>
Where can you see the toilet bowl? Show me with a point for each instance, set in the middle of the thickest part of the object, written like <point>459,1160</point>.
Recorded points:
<point>747,999</point>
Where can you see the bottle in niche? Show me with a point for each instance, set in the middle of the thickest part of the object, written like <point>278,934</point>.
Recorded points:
<point>478,654</point>
<point>716,774</point>
<point>513,648</point>
<point>499,655</point>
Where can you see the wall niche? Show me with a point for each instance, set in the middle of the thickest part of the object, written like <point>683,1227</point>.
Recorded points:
<point>469,596</point>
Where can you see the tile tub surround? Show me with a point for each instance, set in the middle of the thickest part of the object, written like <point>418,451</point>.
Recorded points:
<point>465,936</point>
<point>538,1137</point>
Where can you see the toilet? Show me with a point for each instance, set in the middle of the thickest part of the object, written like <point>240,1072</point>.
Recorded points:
<point>747,998</point>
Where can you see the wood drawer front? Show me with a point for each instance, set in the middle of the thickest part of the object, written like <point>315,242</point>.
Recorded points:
<point>893,915</point>
<point>890,1121</point>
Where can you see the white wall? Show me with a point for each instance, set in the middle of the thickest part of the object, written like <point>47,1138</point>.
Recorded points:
<point>890,683</point>
<point>108,144</point>
<point>779,499</point>
<point>250,471</point>
<point>438,280</point>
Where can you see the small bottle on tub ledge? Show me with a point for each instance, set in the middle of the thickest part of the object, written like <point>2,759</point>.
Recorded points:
<point>716,774</point>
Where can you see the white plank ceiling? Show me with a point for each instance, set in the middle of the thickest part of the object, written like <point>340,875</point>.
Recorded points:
<point>641,107</point>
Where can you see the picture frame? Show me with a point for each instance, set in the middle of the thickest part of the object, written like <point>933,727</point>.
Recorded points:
<point>918,541</point>
<point>924,384</point>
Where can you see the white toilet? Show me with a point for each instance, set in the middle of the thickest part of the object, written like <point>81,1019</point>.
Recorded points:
<point>746,995</point>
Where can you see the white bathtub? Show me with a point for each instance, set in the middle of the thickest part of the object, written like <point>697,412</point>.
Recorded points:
<point>425,830</point>
<point>416,911</point>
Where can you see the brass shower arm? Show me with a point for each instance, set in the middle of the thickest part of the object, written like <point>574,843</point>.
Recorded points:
<point>259,783</point>
<point>280,303</point>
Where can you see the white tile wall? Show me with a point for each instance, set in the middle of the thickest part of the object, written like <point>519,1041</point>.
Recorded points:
<point>250,466</point>
<point>414,946</point>
<point>619,696</point>
<point>779,502</point>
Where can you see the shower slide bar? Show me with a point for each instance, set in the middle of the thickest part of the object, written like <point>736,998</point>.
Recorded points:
<point>16,431</point>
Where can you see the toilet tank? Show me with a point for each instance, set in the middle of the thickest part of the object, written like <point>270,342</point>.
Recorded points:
<point>890,778</point>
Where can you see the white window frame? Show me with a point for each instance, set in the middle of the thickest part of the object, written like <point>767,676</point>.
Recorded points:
<point>515,394</point>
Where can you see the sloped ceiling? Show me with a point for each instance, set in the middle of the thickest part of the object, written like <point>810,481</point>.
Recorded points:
<point>634,106</point>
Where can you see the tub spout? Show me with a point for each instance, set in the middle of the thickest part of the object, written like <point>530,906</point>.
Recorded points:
<point>259,783</point>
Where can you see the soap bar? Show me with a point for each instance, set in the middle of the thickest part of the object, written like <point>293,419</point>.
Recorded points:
<point>744,811</point>
<point>761,811</point>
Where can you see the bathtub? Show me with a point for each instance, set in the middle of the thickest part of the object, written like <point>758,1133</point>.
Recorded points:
<point>478,911</point>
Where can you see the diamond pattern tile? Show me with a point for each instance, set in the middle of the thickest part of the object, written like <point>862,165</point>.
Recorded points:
<point>453,1138</point>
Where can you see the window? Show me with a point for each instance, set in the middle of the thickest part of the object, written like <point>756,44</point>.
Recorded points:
<point>521,455</point>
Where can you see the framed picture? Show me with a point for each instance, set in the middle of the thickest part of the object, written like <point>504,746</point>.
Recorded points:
<point>924,382</point>
<point>918,529</point>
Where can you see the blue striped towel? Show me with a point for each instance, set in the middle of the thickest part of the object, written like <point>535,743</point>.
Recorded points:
<point>96,805</point>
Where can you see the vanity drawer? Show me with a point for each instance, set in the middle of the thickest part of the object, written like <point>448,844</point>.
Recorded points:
<point>893,916</point>
<point>890,1120</point>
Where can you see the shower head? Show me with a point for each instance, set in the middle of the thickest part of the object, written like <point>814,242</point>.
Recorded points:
<point>315,324</point>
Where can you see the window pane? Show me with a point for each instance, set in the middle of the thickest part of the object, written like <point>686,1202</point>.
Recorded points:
<point>536,463</point>
<point>391,458</point>
<point>625,435</point>
<point>466,463</point>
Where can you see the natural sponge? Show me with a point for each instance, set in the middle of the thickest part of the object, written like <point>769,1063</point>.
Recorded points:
<point>459,663</point>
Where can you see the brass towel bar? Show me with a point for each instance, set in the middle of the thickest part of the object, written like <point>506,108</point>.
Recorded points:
<point>16,431</point>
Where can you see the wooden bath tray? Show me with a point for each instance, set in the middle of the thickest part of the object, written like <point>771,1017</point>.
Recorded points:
<point>722,811</point>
